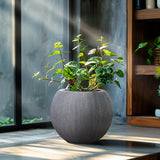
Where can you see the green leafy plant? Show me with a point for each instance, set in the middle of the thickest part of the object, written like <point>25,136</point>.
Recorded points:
<point>98,70</point>
<point>9,121</point>
<point>151,48</point>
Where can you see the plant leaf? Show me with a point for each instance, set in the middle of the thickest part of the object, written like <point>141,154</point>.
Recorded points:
<point>72,64</point>
<point>114,60</point>
<point>60,61</point>
<point>158,46</point>
<point>74,88</point>
<point>76,47</point>
<point>82,62</point>
<point>80,55</point>
<point>58,44</point>
<point>35,74</point>
<point>92,51</point>
<point>148,61</point>
<point>141,45</point>
<point>58,71</point>
<point>120,59</point>
<point>92,68</point>
<point>67,73</point>
<point>158,39</point>
<point>55,52</point>
<point>83,49</point>
<point>150,52</point>
<point>120,73</point>
<point>109,53</point>
<point>93,60</point>
<point>104,44</point>
<point>117,82</point>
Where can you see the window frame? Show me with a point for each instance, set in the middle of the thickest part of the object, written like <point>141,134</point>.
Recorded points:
<point>17,71</point>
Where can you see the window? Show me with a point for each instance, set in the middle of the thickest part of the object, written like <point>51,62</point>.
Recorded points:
<point>29,29</point>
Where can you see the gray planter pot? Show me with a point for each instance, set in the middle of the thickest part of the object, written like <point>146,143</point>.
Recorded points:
<point>81,117</point>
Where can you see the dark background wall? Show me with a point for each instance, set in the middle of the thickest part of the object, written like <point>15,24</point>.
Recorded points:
<point>108,18</point>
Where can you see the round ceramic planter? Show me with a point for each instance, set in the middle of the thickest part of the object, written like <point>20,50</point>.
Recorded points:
<point>157,113</point>
<point>81,117</point>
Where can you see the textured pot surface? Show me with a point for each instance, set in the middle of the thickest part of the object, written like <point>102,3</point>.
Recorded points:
<point>81,117</point>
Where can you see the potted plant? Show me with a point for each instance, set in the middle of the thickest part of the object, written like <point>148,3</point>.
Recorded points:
<point>83,114</point>
<point>153,50</point>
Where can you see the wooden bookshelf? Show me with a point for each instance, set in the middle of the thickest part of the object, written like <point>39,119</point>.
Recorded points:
<point>142,96</point>
<point>146,69</point>
<point>146,121</point>
<point>147,14</point>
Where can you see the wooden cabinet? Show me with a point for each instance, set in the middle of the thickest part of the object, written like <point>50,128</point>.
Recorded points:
<point>142,96</point>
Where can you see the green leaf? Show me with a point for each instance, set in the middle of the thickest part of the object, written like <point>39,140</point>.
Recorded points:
<point>76,47</point>
<point>67,73</point>
<point>158,39</point>
<point>99,40</point>
<point>141,45</point>
<point>72,64</point>
<point>114,60</point>
<point>60,61</point>
<point>55,52</point>
<point>158,46</point>
<point>117,82</point>
<point>103,71</point>
<point>120,59</point>
<point>92,51</point>
<point>58,45</point>
<point>109,53</point>
<point>120,73</point>
<point>108,65</point>
<point>83,49</point>
<point>82,62</point>
<point>94,75</point>
<point>58,71</point>
<point>92,68</point>
<point>81,72</point>
<point>150,52</point>
<point>104,44</point>
<point>105,62</point>
<point>75,40</point>
<point>102,38</point>
<point>148,61</point>
<point>35,74</point>
<point>158,70</point>
<point>80,55</point>
<point>79,35</point>
<point>74,88</point>
<point>93,60</point>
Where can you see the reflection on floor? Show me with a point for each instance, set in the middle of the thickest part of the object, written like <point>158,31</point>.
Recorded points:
<point>120,143</point>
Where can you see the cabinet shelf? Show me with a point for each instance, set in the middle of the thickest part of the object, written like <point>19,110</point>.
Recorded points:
<point>146,14</point>
<point>146,69</point>
<point>142,98</point>
<point>147,121</point>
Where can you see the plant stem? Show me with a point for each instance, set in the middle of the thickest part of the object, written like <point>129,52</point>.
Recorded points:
<point>53,80</point>
<point>61,57</point>
<point>95,87</point>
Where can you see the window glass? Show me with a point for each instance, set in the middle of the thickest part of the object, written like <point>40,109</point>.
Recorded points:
<point>43,23</point>
<point>7,85</point>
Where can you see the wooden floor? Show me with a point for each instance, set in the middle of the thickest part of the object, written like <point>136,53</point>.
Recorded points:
<point>120,143</point>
